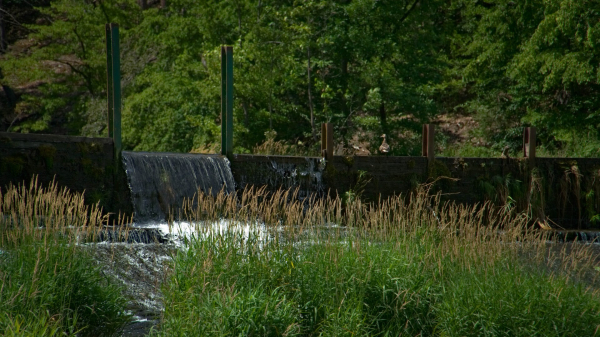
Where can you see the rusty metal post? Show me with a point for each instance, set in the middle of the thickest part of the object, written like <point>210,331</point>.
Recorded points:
<point>424,141</point>
<point>323,140</point>
<point>529,143</point>
<point>329,146</point>
<point>428,141</point>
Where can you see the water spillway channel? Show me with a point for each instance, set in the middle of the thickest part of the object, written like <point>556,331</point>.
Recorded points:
<point>159,182</point>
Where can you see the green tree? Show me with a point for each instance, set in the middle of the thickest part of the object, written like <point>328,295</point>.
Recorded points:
<point>534,63</point>
<point>65,63</point>
<point>361,64</point>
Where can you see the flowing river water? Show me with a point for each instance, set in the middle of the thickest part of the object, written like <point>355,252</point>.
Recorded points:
<point>159,183</point>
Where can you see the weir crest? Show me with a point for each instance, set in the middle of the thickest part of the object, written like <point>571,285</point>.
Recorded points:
<point>159,182</point>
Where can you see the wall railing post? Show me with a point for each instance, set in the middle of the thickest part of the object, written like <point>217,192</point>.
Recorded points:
<point>109,80</point>
<point>226,100</point>
<point>329,141</point>
<point>223,100</point>
<point>323,140</point>
<point>428,141</point>
<point>116,89</point>
<point>529,140</point>
<point>229,100</point>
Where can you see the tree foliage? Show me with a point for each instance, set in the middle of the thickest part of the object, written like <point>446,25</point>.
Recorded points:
<point>532,62</point>
<point>276,45</point>
<point>367,66</point>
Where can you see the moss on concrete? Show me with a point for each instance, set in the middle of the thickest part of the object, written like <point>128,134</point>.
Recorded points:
<point>89,148</point>
<point>437,169</point>
<point>47,152</point>
<point>13,165</point>
<point>348,161</point>
<point>6,141</point>
<point>92,170</point>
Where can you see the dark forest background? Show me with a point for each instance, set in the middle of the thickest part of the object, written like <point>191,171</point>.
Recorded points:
<point>481,70</point>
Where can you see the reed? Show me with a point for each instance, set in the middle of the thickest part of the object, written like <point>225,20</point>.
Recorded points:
<point>408,265</point>
<point>50,284</point>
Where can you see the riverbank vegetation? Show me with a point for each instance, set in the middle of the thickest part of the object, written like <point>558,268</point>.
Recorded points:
<point>481,70</point>
<point>49,284</point>
<point>269,264</point>
<point>413,266</point>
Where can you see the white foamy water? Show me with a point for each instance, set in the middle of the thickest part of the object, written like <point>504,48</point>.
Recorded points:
<point>179,231</point>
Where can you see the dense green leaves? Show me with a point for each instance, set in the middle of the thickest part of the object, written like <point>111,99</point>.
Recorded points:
<point>64,60</point>
<point>368,66</point>
<point>531,62</point>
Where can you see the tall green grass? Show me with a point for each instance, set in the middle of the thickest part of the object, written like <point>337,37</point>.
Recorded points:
<point>49,284</point>
<point>403,267</point>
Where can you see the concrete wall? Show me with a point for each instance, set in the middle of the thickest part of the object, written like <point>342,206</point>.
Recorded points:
<point>78,163</point>
<point>565,189</point>
<point>276,172</point>
<point>387,176</point>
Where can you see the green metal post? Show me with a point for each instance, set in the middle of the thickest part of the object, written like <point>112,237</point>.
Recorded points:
<point>109,80</point>
<point>116,76</point>
<point>223,101</point>
<point>229,134</point>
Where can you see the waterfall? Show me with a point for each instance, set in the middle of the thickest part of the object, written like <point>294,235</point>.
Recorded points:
<point>159,182</point>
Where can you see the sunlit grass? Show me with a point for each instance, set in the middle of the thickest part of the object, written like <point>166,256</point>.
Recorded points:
<point>406,266</point>
<point>50,285</point>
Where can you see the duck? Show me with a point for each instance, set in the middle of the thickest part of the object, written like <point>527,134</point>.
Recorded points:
<point>384,147</point>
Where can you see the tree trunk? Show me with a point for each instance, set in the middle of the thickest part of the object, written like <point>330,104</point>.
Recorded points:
<point>246,118</point>
<point>258,7</point>
<point>310,104</point>
<point>270,114</point>
<point>383,117</point>
<point>345,107</point>
<point>344,81</point>
<point>239,17</point>
<point>143,4</point>
<point>163,3</point>
<point>271,84</point>
<point>3,43</point>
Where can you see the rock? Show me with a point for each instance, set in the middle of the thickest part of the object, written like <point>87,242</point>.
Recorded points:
<point>134,235</point>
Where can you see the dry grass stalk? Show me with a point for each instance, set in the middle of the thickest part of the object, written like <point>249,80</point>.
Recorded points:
<point>49,281</point>
<point>468,233</point>
<point>38,213</point>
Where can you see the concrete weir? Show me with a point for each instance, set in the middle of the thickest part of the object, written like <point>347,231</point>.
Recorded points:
<point>159,182</point>
<point>561,186</point>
